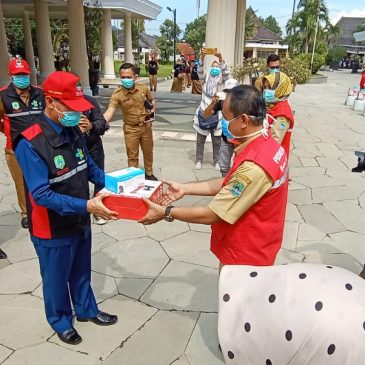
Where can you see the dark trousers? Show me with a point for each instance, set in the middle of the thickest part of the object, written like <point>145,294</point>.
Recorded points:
<point>66,273</point>
<point>96,152</point>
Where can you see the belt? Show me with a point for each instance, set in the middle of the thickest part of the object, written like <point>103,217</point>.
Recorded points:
<point>136,125</point>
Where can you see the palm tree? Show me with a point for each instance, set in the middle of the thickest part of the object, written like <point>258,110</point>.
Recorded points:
<point>303,23</point>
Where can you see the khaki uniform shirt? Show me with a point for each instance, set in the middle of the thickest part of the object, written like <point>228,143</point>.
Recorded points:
<point>245,187</point>
<point>280,128</point>
<point>132,103</point>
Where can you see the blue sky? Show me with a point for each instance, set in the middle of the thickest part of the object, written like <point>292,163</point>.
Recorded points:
<point>280,9</point>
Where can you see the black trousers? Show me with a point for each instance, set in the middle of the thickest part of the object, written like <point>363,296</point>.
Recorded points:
<point>96,152</point>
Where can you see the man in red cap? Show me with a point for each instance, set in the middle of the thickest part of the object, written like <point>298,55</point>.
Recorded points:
<point>57,169</point>
<point>20,104</point>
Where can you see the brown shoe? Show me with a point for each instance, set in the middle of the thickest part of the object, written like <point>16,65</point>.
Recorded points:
<point>362,274</point>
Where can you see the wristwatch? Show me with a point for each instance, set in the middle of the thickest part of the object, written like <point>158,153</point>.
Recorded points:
<point>167,216</point>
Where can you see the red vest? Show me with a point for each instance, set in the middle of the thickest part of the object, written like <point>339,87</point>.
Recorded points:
<point>256,237</point>
<point>283,109</point>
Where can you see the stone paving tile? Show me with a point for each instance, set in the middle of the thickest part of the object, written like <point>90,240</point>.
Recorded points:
<point>132,288</point>
<point>134,258</point>
<point>290,235</point>
<point>308,161</point>
<point>349,213</point>
<point>192,247</point>
<point>352,243</point>
<point>182,360</point>
<point>101,341</point>
<point>164,230</point>
<point>292,214</point>
<point>22,321</point>
<point>286,257</point>
<point>100,240</point>
<point>333,194</point>
<point>300,197</point>
<point>20,277</point>
<point>324,246</point>
<point>161,341</point>
<point>308,232</point>
<point>124,230</point>
<point>306,171</point>
<point>47,353</point>
<point>205,227</point>
<point>315,181</point>
<point>203,345</point>
<point>331,163</point>
<point>183,286</point>
<point>318,216</point>
<point>4,353</point>
<point>20,248</point>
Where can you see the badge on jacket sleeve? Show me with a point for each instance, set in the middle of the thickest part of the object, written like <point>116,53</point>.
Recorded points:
<point>59,162</point>
<point>237,188</point>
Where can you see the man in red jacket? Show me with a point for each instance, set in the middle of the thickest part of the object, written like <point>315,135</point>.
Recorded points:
<point>362,81</point>
<point>247,212</point>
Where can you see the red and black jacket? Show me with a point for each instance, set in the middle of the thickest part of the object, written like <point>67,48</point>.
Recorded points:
<point>18,116</point>
<point>68,175</point>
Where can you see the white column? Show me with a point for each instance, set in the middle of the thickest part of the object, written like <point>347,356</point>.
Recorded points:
<point>44,40</point>
<point>254,52</point>
<point>28,45</point>
<point>221,28</point>
<point>76,31</point>
<point>107,58</point>
<point>240,32</point>
<point>4,59</point>
<point>128,50</point>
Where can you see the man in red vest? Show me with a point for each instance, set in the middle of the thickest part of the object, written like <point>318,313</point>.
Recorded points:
<point>247,212</point>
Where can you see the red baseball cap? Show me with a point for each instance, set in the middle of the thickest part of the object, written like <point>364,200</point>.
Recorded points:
<point>18,66</point>
<point>66,87</point>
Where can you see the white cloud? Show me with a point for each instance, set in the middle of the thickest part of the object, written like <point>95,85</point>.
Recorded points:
<point>356,13</point>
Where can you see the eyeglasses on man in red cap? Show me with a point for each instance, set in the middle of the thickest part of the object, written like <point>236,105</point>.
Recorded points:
<point>65,87</point>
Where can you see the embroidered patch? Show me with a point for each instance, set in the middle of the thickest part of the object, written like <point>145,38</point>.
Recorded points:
<point>59,162</point>
<point>80,154</point>
<point>15,105</point>
<point>35,104</point>
<point>282,125</point>
<point>243,178</point>
<point>237,188</point>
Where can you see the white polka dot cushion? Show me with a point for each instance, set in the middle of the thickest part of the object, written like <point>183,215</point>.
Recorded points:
<point>297,314</point>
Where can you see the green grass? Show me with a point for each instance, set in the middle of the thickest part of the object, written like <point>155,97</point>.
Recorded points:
<point>164,70</point>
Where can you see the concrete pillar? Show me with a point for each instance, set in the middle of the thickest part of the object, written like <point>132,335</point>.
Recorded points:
<point>240,32</point>
<point>78,53</point>
<point>28,45</point>
<point>221,28</point>
<point>4,59</point>
<point>44,40</point>
<point>254,52</point>
<point>277,51</point>
<point>107,58</point>
<point>128,50</point>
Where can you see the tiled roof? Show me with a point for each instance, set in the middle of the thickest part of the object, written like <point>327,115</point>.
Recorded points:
<point>261,33</point>
<point>145,40</point>
<point>347,27</point>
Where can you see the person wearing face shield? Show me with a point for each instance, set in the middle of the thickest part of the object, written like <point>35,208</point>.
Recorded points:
<point>213,82</point>
<point>20,105</point>
<point>57,168</point>
<point>247,211</point>
<point>276,91</point>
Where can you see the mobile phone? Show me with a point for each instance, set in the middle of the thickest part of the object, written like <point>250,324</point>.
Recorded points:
<point>149,118</point>
<point>210,50</point>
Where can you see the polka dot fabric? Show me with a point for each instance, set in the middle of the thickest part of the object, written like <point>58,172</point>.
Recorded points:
<point>296,314</point>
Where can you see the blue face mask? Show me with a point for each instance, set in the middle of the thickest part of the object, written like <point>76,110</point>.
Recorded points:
<point>215,71</point>
<point>269,96</point>
<point>70,119</point>
<point>274,69</point>
<point>230,136</point>
<point>21,81</point>
<point>127,83</point>
<point>225,130</point>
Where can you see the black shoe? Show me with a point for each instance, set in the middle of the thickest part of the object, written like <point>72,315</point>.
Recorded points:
<point>151,177</point>
<point>102,319</point>
<point>2,255</point>
<point>70,336</point>
<point>24,223</point>
<point>362,274</point>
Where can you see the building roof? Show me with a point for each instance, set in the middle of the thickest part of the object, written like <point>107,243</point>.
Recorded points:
<point>347,27</point>
<point>145,40</point>
<point>261,33</point>
<point>141,9</point>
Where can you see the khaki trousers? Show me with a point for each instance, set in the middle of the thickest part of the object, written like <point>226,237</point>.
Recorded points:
<point>17,176</point>
<point>135,136</point>
<point>153,82</point>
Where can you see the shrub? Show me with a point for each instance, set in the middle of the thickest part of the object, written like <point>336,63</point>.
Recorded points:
<point>335,55</point>
<point>251,68</point>
<point>297,70</point>
<point>318,61</point>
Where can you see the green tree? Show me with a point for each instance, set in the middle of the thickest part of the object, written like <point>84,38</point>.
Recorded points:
<point>195,32</point>
<point>271,23</point>
<point>302,26</point>
<point>93,14</point>
<point>166,41</point>
<point>250,23</point>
